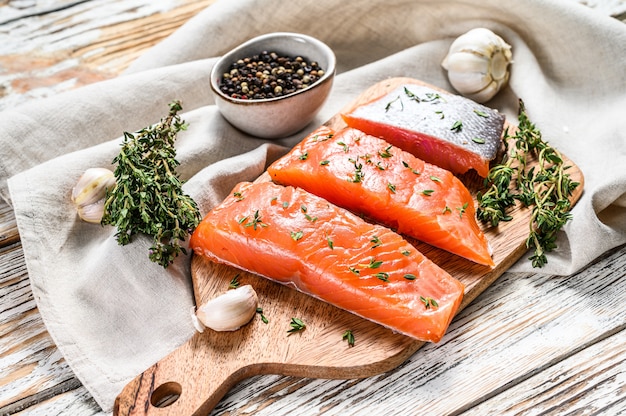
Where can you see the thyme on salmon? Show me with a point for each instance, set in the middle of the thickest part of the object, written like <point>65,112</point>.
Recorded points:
<point>544,188</point>
<point>148,196</point>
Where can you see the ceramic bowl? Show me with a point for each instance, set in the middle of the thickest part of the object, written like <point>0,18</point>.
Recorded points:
<point>282,116</point>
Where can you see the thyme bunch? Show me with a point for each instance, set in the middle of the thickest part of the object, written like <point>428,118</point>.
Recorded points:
<point>148,196</point>
<point>545,188</point>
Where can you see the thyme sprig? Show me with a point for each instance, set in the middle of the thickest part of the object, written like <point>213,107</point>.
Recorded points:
<point>148,196</point>
<point>545,188</point>
<point>348,336</point>
<point>296,325</point>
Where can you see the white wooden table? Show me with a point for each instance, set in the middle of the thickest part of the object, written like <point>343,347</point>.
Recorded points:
<point>530,344</point>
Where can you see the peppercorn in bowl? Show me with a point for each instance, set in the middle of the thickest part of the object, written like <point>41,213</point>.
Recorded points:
<point>273,85</point>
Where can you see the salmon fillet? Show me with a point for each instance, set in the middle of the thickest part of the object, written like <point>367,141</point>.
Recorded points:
<point>444,129</point>
<point>295,238</point>
<point>369,176</point>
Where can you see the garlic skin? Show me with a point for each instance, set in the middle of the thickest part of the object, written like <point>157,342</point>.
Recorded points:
<point>478,64</point>
<point>229,311</point>
<point>89,192</point>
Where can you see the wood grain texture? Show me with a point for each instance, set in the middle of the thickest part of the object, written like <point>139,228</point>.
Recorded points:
<point>519,349</point>
<point>47,47</point>
<point>53,46</point>
<point>31,363</point>
<point>317,352</point>
<point>41,68</point>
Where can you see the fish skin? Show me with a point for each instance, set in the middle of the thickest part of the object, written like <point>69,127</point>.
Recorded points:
<point>420,120</point>
<point>329,172</point>
<point>312,266</point>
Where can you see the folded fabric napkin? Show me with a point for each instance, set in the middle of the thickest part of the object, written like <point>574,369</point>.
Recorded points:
<point>113,313</point>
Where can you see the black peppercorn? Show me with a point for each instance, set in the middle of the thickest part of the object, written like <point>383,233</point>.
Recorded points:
<point>268,75</point>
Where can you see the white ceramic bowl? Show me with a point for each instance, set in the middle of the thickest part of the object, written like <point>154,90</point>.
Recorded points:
<point>273,118</point>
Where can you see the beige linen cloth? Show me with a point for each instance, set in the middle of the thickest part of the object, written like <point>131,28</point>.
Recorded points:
<point>113,313</point>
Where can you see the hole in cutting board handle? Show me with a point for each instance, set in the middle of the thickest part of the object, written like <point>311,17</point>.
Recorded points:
<point>166,394</point>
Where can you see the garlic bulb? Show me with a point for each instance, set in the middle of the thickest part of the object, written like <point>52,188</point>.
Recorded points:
<point>88,194</point>
<point>229,311</point>
<point>478,64</point>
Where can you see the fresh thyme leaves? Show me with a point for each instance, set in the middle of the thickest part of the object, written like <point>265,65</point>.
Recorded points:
<point>429,302</point>
<point>446,210</point>
<point>296,235</point>
<point>457,126</point>
<point>234,283</point>
<point>411,95</point>
<point>462,209</point>
<point>345,147</point>
<point>263,317</point>
<point>148,196</point>
<point>545,188</point>
<point>390,103</point>
<point>358,172</point>
<point>382,276</point>
<point>255,221</point>
<point>296,325</point>
<point>481,113</point>
<point>406,165</point>
<point>385,153</point>
<point>428,192</point>
<point>376,242</point>
<point>238,196</point>
<point>391,187</point>
<point>478,140</point>
<point>304,156</point>
<point>410,276</point>
<point>348,336</point>
<point>324,162</point>
<point>374,264</point>
<point>430,96</point>
<point>310,218</point>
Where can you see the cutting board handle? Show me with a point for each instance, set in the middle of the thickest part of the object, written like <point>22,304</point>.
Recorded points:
<point>182,383</point>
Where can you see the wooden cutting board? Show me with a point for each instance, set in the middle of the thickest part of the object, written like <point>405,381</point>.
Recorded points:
<point>194,378</point>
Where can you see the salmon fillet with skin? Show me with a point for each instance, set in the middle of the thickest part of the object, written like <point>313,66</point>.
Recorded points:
<point>367,175</point>
<point>295,238</point>
<point>444,129</point>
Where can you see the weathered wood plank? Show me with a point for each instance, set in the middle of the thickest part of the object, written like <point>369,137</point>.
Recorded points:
<point>73,402</point>
<point>30,363</point>
<point>501,340</point>
<point>54,48</point>
<point>8,225</point>
<point>595,377</point>
<point>37,63</point>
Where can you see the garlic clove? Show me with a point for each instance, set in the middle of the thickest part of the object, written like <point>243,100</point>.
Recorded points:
<point>89,192</point>
<point>485,94</point>
<point>195,321</point>
<point>471,73</point>
<point>92,213</point>
<point>478,64</point>
<point>92,186</point>
<point>229,311</point>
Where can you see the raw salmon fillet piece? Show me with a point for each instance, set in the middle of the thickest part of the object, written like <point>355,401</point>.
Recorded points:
<point>369,176</point>
<point>444,129</point>
<point>295,238</point>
